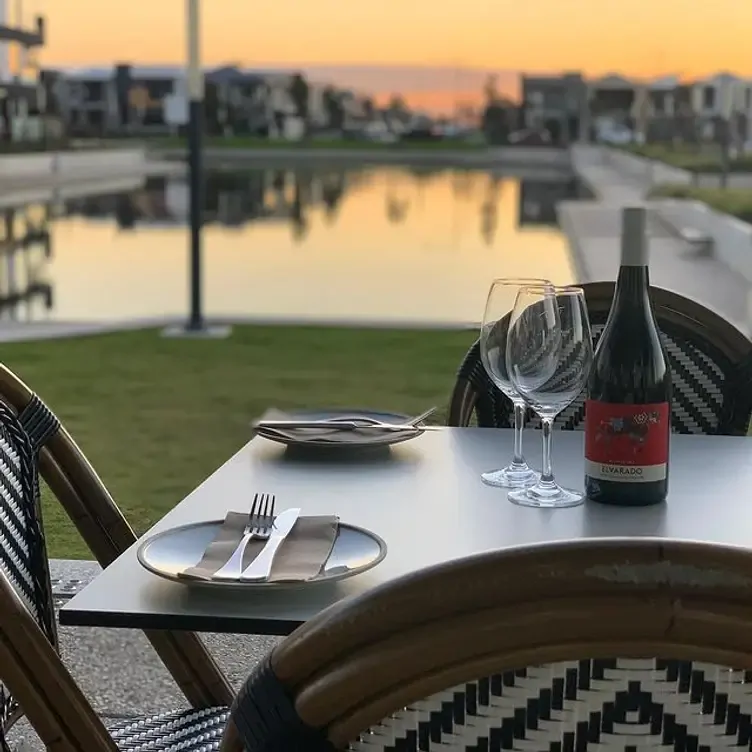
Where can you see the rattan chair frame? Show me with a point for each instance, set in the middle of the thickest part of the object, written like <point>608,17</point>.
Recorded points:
<point>91,508</point>
<point>367,657</point>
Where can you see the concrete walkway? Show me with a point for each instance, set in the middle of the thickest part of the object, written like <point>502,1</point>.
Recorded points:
<point>22,190</point>
<point>593,230</point>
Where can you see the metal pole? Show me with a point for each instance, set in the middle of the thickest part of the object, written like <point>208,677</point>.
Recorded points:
<point>195,82</point>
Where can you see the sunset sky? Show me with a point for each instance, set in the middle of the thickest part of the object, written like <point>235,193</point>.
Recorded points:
<point>637,37</point>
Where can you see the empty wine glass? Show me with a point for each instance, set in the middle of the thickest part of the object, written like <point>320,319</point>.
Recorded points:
<point>493,349</point>
<point>549,354</point>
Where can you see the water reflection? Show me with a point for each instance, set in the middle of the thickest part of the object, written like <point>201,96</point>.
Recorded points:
<point>235,199</point>
<point>538,199</point>
<point>410,244</point>
<point>25,248</point>
<point>231,200</point>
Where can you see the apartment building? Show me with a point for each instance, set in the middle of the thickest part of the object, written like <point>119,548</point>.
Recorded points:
<point>661,109</point>
<point>21,93</point>
<point>116,99</point>
<point>557,103</point>
<point>125,99</point>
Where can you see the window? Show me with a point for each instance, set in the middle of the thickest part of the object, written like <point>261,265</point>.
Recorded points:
<point>708,98</point>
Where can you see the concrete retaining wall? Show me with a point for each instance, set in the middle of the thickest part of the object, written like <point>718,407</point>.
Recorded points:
<point>732,238</point>
<point>72,163</point>
<point>538,156</point>
<point>641,169</point>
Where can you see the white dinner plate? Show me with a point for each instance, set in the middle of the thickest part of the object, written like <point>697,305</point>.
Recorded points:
<point>171,552</point>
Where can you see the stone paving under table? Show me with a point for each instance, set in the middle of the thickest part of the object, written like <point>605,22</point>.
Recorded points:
<point>121,675</point>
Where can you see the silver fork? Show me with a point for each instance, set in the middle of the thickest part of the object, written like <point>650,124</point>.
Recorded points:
<point>367,421</point>
<point>259,527</point>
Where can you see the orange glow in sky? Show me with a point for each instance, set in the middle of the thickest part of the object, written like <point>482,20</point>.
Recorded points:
<point>638,37</point>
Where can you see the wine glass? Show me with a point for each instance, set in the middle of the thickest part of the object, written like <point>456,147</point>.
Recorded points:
<point>549,354</point>
<point>493,348</point>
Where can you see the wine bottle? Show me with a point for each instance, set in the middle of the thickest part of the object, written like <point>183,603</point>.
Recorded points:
<point>628,406</point>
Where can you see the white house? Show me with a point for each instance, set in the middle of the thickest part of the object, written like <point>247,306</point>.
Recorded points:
<point>281,112</point>
<point>723,96</point>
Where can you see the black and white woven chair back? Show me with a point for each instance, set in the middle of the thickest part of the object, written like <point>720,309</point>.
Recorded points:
<point>617,705</point>
<point>23,557</point>
<point>704,387</point>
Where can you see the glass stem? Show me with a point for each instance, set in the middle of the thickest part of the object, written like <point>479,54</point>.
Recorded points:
<point>519,424</point>
<point>547,473</point>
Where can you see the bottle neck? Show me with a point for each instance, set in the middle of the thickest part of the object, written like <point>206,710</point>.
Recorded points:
<point>633,281</point>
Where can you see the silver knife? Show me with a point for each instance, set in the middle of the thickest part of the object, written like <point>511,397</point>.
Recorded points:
<point>261,567</point>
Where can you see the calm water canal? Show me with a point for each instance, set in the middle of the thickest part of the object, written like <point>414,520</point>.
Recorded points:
<point>378,244</point>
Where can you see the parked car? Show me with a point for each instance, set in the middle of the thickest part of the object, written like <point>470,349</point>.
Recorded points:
<point>615,134</point>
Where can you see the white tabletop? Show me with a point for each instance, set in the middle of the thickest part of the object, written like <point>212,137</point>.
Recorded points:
<point>426,500</point>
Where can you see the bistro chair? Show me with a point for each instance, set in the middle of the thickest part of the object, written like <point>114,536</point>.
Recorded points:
<point>709,357</point>
<point>610,644</point>
<point>31,437</point>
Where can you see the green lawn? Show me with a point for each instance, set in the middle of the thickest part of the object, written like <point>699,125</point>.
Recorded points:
<point>698,158</point>
<point>252,142</point>
<point>156,416</point>
<point>734,201</point>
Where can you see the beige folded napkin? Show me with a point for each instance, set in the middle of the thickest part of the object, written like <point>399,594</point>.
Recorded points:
<point>328,434</point>
<point>300,557</point>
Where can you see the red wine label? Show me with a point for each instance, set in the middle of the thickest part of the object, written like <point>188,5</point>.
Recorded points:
<point>626,443</point>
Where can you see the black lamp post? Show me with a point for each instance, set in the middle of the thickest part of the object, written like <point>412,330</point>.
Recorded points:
<point>195,82</point>
<point>195,326</point>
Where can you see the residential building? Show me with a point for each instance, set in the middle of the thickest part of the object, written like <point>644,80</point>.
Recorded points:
<point>87,100</point>
<point>318,111</point>
<point>281,112</point>
<point>557,103</point>
<point>241,101</point>
<point>118,99</point>
<point>21,95</point>
<point>613,97</point>
<point>144,99</point>
<point>719,100</point>
<point>667,108</point>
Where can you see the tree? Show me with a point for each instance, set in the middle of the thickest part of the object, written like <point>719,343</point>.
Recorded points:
<point>335,112</point>
<point>497,121</point>
<point>369,108</point>
<point>299,91</point>
<point>398,108</point>
<point>490,90</point>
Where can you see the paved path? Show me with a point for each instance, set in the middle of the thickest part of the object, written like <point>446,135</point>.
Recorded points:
<point>593,229</point>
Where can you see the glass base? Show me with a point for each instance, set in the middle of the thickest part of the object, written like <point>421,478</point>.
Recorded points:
<point>512,476</point>
<point>547,496</point>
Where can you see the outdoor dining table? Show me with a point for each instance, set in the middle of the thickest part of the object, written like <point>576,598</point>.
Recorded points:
<point>425,499</point>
